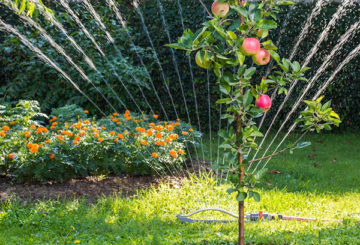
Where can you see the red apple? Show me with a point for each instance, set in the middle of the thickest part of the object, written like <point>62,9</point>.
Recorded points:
<point>262,57</point>
<point>263,102</point>
<point>250,46</point>
<point>220,9</point>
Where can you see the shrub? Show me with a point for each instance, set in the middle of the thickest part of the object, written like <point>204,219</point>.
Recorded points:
<point>81,146</point>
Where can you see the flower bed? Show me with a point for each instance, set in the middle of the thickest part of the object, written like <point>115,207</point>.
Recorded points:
<point>74,145</point>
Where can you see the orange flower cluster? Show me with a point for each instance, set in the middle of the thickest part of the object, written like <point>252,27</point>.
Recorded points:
<point>33,148</point>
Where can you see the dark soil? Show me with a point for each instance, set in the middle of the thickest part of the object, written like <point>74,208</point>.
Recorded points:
<point>90,188</point>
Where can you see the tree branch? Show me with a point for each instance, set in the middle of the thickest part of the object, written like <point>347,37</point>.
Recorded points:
<point>202,3</point>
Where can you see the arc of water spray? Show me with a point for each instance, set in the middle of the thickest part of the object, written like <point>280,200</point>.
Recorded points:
<point>58,48</point>
<point>323,67</point>
<point>102,26</point>
<point>192,80</point>
<point>355,52</point>
<point>47,60</point>
<point>120,19</point>
<point>174,60</point>
<point>138,10</point>
<point>92,39</point>
<point>311,53</point>
<point>93,12</point>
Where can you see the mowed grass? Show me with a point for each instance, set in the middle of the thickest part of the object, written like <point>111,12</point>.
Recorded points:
<point>327,190</point>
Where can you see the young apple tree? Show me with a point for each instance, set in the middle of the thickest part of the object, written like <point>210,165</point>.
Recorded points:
<point>237,36</point>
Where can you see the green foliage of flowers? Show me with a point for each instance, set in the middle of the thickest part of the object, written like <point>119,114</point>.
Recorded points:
<point>75,145</point>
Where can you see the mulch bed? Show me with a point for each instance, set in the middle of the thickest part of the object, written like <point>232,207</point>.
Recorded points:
<point>90,188</point>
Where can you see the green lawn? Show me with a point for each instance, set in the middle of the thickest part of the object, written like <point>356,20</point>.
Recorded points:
<point>328,189</point>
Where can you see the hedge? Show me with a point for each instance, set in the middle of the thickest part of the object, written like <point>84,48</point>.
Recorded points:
<point>344,92</point>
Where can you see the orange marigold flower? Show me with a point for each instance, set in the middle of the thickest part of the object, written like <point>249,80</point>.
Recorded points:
<point>140,129</point>
<point>2,134</point>
<point>103,127</point>
<point>173,153</point>
<point>34,148</point>
<point>159,128</point>
<point>170,127</point>
<point>112,133</point>
<point>115,114</point>
<point>111,117</point>
<point>54,118</point>
<point>118,123</point>
<point>77,138</point>
<point>53,127</point>
<point>157,143</point>
<point>47,141</point>
<point>191,129</point>
<point>75,142</point>
<point>152,124</point>
<point>128,118</point>
<point>156,116</point>
<point>158,135</point>
<point>127,112</point>
<point>184,133</point>
<point>29,145</point>
<point>87,122</point>
<point>60,137</point>
<point>54,123</point>
<point>181,152</point>
<point>100,139</point>
<point>116,140</point>
<point>39,130</point>
<point>174,136</point>
<point>163,143</point>
<point>177,124</point>
<point>27,134</point>
<point>41,145</point>
<point>120,136</point>
<point>149,132</point>
<point>6,128</point>
<point>52,155</point>
<point>155,155</point>
<point>12,123</point>
<point>82,133</point>
<point>143,142</point>
<point>32,127</point>
<point>85,129</point>
<point>168,140</point>
<point>178,119</point>
<point>11,155</point>
<point>96,135</point>
<point>86,111</point>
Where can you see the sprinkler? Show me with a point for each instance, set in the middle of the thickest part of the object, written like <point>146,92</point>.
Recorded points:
<point>253,217</point>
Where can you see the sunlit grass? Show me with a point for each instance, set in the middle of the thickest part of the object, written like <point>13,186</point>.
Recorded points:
<point>328,191</point>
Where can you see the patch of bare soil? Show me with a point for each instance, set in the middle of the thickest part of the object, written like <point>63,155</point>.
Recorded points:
<point>90,188</point>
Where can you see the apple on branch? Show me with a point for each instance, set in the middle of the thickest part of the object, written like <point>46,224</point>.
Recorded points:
<point>263,102</point>
<point>250,46</point>
<point>220,9</point>
<point>262,57</point>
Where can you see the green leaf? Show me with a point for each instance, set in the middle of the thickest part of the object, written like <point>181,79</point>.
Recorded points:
<point>23,6</point>
<point>232,35</point>
<point>249,72</point>
<point>241,196</point>
<point>269,45</point>
<point>275,56</point>
<point>224,100</point>
<point>231,190</point>
<point>303,144</point>
<point>255,195</point>
<point>265,24</point>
